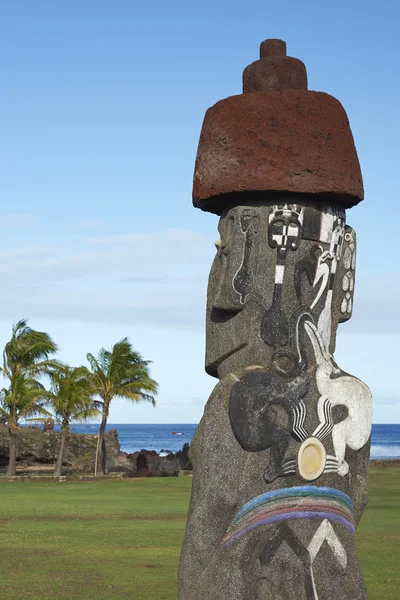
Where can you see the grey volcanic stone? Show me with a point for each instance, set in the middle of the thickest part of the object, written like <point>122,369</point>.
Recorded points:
<point>35,446</point>
<point>148,463</point>
<point>280,457</point>
<point>281,454</point>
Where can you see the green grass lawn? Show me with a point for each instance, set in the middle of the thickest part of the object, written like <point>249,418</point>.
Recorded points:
<point>121,539</point>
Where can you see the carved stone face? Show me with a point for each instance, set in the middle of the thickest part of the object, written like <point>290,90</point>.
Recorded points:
<point>273,260</point>
<point>282,280</point>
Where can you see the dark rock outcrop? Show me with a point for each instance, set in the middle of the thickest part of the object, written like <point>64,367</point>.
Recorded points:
<point>148,463</point>
<point>38,448</point>
<point>35,446</point>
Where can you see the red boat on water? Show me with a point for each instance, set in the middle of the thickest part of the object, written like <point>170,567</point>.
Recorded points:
<point>177,433</point>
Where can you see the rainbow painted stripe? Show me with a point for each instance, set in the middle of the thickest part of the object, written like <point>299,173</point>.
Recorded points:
<point>302,502</point>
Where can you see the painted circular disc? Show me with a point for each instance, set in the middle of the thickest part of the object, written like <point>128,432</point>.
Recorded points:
<point>311,459</point>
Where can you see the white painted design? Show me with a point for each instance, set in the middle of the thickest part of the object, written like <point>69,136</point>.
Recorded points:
<point>299,414</point>
<point>322,273</point>
<point>332,232</point>
<point>347,303</point>
<point>349,263</point>
<point>292,231</point>
<point>350,304</point>
<point>345,390</point>
<point>289,467</point>
<point>325,320</point>
<point>327,220</point>
<point>279,273</point>
<point>325,417</point>
<point>325,532</point>
<point>332,464</point>
<point>334,254</point>
<point>286,231</point>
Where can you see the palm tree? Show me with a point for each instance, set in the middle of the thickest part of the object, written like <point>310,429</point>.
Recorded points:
<point>71,399</point>
<point>24,398</point>
<point>25,357</point>
<point>119,372</point>
<point>27,352</point>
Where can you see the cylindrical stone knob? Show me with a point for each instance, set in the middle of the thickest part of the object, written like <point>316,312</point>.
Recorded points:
<point>274,70</point>
<point>269,48</point>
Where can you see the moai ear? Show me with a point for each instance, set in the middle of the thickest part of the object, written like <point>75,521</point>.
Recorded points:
<point>344,292</point>
<point>233,282</point>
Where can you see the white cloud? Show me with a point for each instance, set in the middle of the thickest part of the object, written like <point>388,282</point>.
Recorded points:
<point>155,278</point>
<point>174,253</point>
<point>151,308</point>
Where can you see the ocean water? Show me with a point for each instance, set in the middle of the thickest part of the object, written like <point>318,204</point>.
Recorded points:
<point>385,438</point>
<point>146,437</point>
<point>385,442</point>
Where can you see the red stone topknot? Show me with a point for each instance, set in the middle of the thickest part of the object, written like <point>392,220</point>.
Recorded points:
<point>276,137</point>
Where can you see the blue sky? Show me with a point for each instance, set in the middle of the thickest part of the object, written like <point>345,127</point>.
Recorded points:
<point>101,105</point>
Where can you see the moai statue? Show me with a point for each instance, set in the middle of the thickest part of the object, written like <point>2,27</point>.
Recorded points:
<point>280,458</point>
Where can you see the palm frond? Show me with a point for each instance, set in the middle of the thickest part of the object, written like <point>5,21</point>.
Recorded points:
<point>89,414</point>
<point>26,349</point>
<point>46,414</point>
<point>71,393</point>
<point>24,398</point>
<point>3,413</point>
<point>122,372</point>
<point>96,370</point>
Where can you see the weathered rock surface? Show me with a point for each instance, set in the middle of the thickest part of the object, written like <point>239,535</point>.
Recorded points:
<point>281,141</point>
<point>274,70</point>
<point>148,463</point>
<point>35,446</point>
<point>280,458</point>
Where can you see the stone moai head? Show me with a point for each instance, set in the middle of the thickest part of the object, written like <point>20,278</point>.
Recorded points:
<point>279,166</point>
<point>278,163</point>
<point>276,259</point>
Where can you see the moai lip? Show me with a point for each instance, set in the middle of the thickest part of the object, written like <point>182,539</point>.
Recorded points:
<point>281,455</point>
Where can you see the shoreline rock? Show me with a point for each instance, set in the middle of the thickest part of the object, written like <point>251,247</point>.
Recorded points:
<point>38,447</point>
<point>37,452</point>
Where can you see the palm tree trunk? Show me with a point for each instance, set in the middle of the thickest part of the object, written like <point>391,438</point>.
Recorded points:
<point>60,455</point>
<point>96,461</point>
<point>101,466</point>
<point>12,462</point>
